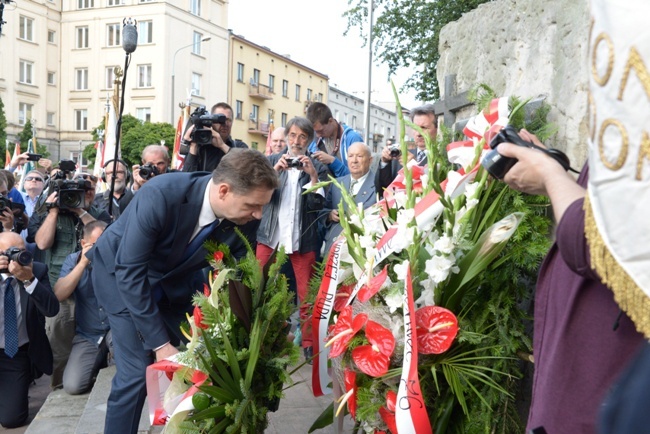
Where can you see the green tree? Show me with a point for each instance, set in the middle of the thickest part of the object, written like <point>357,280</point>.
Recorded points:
<point>26,135</point>
<point>135,136</point>
<point>3,133</point>
<point>406,35</point>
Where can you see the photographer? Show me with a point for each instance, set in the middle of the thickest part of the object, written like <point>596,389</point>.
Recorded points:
<point>206,157</point>
<point>25,353</point>
<point>155,161</point>
<point>57,231</point>
<point>12,215</point>
<point>389,166</point>
<point>290,219</point>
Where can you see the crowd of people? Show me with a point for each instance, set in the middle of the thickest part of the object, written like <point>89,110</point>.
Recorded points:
<point>113,276</point>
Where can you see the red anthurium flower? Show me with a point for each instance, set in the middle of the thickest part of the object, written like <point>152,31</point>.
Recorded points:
<point>373,359</point>
<point>206,290</point>
<point>372,287</point>
<point>388,413</point>
<point>350,378</point>
<point>436,329</point>
<point>217,256</point>
<point>198,318</point>
<point>344,330</point>
<point>342,296</point>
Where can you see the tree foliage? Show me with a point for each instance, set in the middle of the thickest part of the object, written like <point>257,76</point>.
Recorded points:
<point>26,135</point>
<point>406,35</point>
<point>135,136</point>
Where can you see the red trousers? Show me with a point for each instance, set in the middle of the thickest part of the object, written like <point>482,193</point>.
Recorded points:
<point>303,268</point>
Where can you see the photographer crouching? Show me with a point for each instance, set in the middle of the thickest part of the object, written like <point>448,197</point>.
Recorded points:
<point>56,228</point>
<point>209,138</point>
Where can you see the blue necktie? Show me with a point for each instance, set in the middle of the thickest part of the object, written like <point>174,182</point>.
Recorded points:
<point>11,320</point>
<point>198,240</point>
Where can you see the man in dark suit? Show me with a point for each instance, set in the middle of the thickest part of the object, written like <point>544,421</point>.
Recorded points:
<point>146,264</point>
<point>425,118</point>
<point>27,299</point>
<point>360,183</point>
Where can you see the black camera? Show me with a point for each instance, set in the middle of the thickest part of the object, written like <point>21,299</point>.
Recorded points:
<point>294,162</point>
<point>148,171</point>
<point>497,165</point>
<point>202,121</point>
<point>5,202</point>
<point>72,193</point>
<point>395,151</point>
<point>22,256</point>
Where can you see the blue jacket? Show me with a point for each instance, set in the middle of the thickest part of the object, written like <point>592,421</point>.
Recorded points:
<point>310,205</point>
<point>340,167</point>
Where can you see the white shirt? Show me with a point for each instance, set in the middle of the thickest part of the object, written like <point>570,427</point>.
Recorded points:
<point>358,184</point>
<point>206,216</point>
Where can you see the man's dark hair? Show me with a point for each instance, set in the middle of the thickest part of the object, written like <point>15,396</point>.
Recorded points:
<point>222,105</point>
<point>9,177</point>
<point>304,124</point>
<point>246,170</point>
<point>90,227</point>
<point>319,112</point>
<point>426,109</point>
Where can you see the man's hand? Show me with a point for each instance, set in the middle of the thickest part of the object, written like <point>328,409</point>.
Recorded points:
<point>7,219</point>
<point>51,202</point>
<point>138,181</point>
<point>46,164</point>
<point>217,141</point>
<point>18,160</point>
<point>166,351</point>
<point>83,260</point>
<point>323,157</point>
<point>333,216</point>
<point>308,168</point>
<point>20,272</point>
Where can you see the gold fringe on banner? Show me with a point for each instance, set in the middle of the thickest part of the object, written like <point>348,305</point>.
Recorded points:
<point>631,299</point>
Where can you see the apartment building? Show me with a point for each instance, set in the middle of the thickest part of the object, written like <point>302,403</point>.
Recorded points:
<point>58,63</point>
<point>266,87</point>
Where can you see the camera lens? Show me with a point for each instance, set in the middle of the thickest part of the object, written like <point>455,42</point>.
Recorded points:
<point>70,199</point>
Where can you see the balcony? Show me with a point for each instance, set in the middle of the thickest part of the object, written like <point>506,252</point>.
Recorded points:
<point>258,127</point>
<point>259,91</point>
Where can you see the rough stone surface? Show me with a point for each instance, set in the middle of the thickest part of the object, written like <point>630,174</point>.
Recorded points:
<point>526,48</point>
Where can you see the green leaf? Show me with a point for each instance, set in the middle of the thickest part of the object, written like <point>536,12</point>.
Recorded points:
<point>325,419</point>
<point>241,302</point>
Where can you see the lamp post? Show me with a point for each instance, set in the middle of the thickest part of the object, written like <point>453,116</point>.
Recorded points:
<point>174,73</point>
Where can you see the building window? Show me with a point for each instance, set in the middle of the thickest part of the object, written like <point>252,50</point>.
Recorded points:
<point>85,4</point>
<point>240,71</point>
<point>297,92</point>
<point>24,112</point>
<point>109,77</point>
<point>283,120</point>
<point>81,79</point>
<point>82,37</point>
<point>145,30</point>
<point>308,94</point>
<point>196,84</point>
<point>285,88</point>
<point>50,36</point>
<point>255,113</point>
<point>320,97</point>
<point>146,1</point>
<point>354,122</point>
<point>81,120</point>
<point>51,77</point>
<point>345,118</point>
<point>195,7</point>
<point>26,72</point>
<point>196,41</point>
<point>144,75</point>
<point>26,29</point>
<point>271,83</point>
<point>50,119</point>
<point>256,76</point>
<point>239,109</point>
<point>113,32</point>
<point>143,114</point>
<point>115,2</point>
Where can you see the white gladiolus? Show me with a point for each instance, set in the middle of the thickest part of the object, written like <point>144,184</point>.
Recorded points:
<point>444,245</point>
<point>438,268</point>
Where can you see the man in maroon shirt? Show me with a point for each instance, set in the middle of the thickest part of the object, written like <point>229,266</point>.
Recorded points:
<point>581,340</point>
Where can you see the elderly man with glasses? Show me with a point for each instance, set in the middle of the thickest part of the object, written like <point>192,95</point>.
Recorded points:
<point>57,228</point>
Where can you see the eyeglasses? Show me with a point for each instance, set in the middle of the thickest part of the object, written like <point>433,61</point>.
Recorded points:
<point>33,178</point>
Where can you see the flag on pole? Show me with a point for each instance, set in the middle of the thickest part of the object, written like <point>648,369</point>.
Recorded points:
<point>268,139</point>
<point>29,165</point>
<point>177,158</point>
<point>7,155</point>
<point>17,152</point>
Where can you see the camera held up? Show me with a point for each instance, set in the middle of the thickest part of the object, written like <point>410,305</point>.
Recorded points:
<point>148,171</point>
<point>202,121</point>
<point>72,192</point>
<point>22,256</point>
<point>497,165</point>
<point>294,162</point>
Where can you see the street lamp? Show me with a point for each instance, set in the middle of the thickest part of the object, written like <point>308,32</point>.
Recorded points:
<point>174,73</point>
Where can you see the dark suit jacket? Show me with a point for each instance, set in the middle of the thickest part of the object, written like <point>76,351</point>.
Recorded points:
<point>40,303</point>
<point>366,196</point>
<point>144,249</point>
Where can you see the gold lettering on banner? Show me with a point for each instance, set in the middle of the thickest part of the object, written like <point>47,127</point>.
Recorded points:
<point>622,155</point>
<point>610,59</point>
<point>635,61</point>
<point>644,155</point>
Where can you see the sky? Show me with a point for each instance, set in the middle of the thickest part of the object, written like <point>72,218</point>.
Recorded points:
<point>311,32</point>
